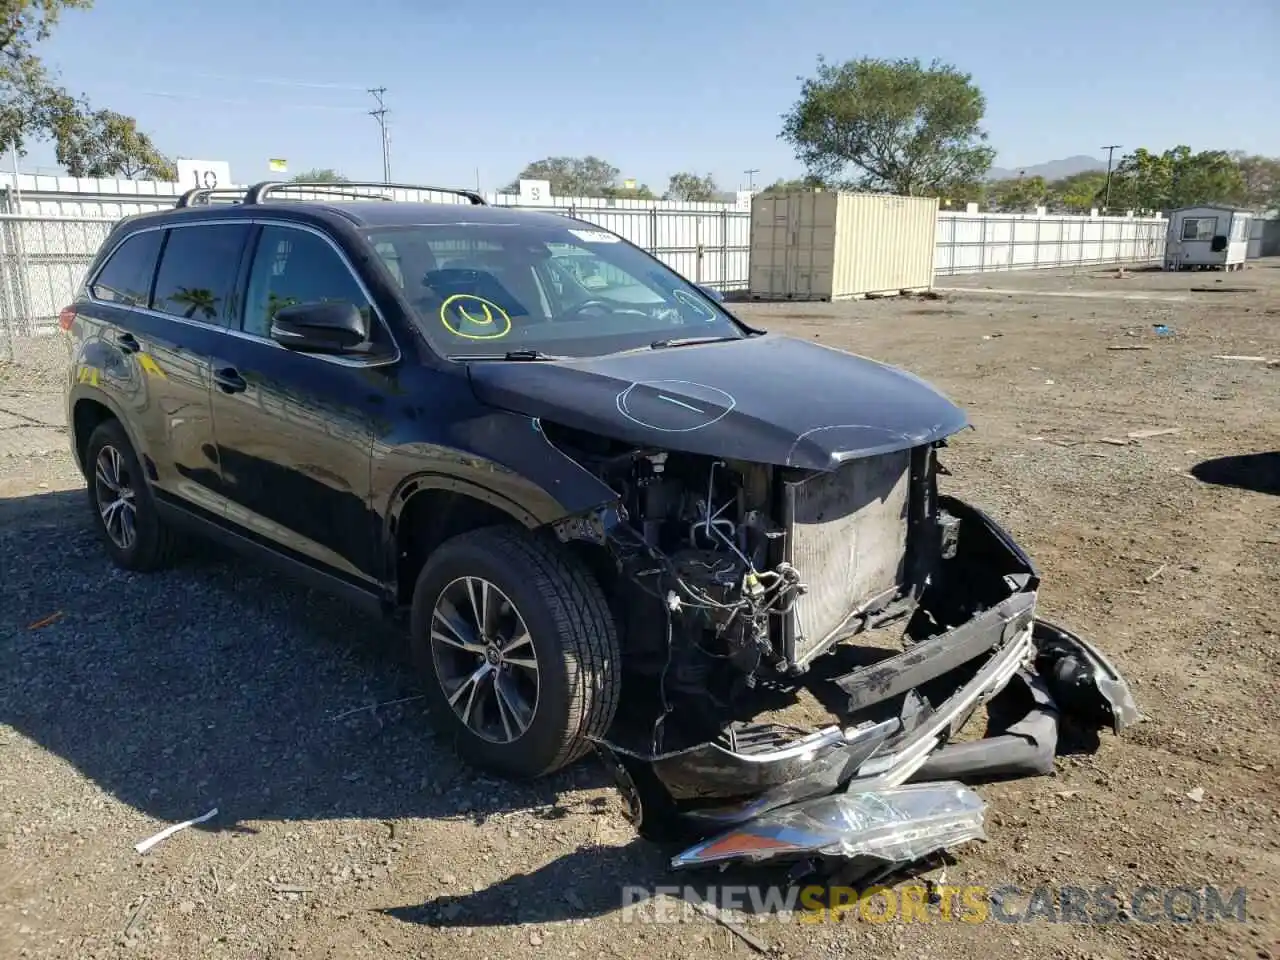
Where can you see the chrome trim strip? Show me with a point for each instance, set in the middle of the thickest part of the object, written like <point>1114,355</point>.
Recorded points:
<point>240,334</point>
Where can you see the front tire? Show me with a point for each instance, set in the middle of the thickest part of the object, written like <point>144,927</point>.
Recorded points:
<point>124,511</point>
<point>517,649</point>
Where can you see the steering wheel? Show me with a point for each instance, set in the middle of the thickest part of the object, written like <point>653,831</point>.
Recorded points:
<point>586,305</point>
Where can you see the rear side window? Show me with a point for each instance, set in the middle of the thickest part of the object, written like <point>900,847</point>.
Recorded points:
<point>126,276</point>
<point>198,271</point>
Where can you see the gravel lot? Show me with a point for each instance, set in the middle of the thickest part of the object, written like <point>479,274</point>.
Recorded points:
<point>128,702</point>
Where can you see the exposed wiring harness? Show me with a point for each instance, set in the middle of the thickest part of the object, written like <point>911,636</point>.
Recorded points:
<point>751,594</point>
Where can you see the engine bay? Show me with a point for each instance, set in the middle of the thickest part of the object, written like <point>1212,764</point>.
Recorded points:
<point>708,595</point>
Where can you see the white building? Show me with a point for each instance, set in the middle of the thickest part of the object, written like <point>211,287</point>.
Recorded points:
<point>1207,236</point>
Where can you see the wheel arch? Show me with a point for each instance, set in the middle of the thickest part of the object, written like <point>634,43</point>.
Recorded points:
<point>88,408</point>
<point>428,509</point>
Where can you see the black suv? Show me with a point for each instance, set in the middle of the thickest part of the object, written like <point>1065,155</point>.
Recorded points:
<point>578,476</point>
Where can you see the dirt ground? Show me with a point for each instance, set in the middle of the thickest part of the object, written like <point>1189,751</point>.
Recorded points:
<point>345,830</point>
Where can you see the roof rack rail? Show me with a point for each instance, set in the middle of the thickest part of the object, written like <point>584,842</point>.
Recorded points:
<point>201,195</point>
<point>260,192</point>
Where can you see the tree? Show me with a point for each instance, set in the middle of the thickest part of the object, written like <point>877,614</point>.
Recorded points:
<point>107,144</point>
<point>890,125</point>
<point>1078,193</point>
<point>959,195</point>
<point>320,175</point>
<point>90,142</point>
<point>1261,176</point>
<point>26,92</point>
<point>1175,178</point>
<point>571,176</point>
<point>641,192</point>
<point>1018,195</point>
<point>790,186</point>
<point>691,187</point>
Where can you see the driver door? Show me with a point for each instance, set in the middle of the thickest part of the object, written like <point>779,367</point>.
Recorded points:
<point>295,431</point>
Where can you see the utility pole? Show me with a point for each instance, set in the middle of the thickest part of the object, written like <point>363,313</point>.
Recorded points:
<point>751,178</point>
<point>1111,148</point>
<point>380,115</point>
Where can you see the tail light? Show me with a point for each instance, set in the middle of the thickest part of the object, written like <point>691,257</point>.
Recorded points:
<point>66,318</point>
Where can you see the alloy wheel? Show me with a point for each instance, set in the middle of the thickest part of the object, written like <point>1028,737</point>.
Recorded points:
<point>485,659</point>
<point>116,497</point>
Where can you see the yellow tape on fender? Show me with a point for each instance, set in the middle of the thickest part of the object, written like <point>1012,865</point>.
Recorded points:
<point>492,317</point>
<point>149,365</point>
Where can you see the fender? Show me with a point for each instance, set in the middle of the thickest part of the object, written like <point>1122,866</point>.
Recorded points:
<point>84,391</point>
<point>417,483</point>
<point>421,482</point>
<point>497,457</point>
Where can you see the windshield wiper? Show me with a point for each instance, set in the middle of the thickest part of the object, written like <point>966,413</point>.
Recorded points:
<point>511,355</point>
<point>685,341</point>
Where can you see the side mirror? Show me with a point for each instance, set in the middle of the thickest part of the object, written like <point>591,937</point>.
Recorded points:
<point>333,326</point>
<point>713,293</point>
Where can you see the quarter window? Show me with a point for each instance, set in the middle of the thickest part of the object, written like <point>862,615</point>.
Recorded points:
<point>198,271</point>
<point>292,267</point>
<point>126,276</point>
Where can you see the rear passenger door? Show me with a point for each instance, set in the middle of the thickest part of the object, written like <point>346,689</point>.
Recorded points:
<point>295,431</point>
<point>164,298</point>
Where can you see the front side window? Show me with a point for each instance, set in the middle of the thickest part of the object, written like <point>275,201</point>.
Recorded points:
<point>486,289</point>
<point>126,276</point>
<point>290,267</point>
<point>198,271</point>
<point>1199,228</point>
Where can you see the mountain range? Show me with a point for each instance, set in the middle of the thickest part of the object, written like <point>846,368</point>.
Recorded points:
<point>1053,170</point>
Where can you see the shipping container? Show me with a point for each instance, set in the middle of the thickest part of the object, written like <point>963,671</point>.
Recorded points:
<point>809,245</point>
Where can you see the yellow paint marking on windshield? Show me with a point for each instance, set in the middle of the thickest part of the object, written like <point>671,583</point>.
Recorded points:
<point>89,375</point>
<point>493,316</point>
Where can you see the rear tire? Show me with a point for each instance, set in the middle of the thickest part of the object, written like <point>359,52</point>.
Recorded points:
<point>522,695</point>
<point>124,511</point>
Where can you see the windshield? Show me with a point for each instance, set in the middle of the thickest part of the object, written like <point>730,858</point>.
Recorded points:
<point>483,289</point>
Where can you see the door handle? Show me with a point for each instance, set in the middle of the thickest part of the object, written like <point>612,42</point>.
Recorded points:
<point>229,381</point>
<point>127,343</point>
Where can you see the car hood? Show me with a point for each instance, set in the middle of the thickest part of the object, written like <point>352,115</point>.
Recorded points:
<point>766,399</point>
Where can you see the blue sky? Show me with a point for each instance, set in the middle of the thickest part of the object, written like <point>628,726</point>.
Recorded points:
<point>482,87</point>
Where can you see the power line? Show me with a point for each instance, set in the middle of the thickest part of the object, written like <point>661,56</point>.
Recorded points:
<point>1111,148</point>
<point>272,81</point>
<point>266,104</point>
<point>380,115</point>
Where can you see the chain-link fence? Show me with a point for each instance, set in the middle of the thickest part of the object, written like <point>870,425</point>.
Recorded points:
<point>42,261</point>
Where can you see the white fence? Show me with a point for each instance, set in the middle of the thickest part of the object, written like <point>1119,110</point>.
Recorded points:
<point>50,228</point>
<point>978,242</point>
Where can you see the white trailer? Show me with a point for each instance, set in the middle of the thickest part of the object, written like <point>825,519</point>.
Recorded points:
<point>1206,237</point>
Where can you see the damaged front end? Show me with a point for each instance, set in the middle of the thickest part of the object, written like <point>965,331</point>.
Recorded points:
<point>738,585</point>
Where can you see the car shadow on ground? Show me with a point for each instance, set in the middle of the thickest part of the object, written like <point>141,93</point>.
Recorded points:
<point>595,881</point>
<point>1257,472</point>
<point>218,685</point>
